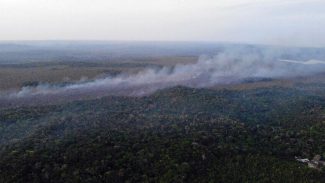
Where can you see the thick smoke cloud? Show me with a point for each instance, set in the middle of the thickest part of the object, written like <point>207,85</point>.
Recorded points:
<point>229,66</point>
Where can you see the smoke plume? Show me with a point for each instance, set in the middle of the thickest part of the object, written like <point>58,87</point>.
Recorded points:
<point>226,67</point>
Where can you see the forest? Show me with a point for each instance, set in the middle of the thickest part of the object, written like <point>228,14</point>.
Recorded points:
<point>174,135</point>
<point>162,91</point>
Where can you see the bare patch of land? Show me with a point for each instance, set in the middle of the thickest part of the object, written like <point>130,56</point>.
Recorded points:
<point>14,76</point>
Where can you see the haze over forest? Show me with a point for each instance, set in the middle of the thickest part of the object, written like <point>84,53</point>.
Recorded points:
<point>170,91</point>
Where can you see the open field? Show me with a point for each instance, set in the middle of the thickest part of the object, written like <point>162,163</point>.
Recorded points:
<point>14,76</point>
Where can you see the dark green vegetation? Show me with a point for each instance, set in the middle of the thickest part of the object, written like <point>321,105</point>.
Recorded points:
<point>248,132</point>
<point>175,135</point>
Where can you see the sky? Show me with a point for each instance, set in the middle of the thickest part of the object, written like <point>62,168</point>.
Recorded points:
<point>277,22</point>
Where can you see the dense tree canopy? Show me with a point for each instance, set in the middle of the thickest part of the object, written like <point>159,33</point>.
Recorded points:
<point>175,135</point>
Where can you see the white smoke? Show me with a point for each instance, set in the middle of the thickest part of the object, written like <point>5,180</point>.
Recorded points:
<point>226,67</point>
<point>309,62</point>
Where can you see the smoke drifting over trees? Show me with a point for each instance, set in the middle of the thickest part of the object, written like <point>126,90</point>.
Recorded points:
<point>229,66</point>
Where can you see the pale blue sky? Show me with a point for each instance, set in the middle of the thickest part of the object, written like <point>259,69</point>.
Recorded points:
<point>281,22</point>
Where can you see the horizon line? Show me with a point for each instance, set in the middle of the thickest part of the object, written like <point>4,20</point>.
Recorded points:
<point>155,41</point>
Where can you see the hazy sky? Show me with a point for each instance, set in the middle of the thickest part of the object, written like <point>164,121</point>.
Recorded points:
<point>285,22</point>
